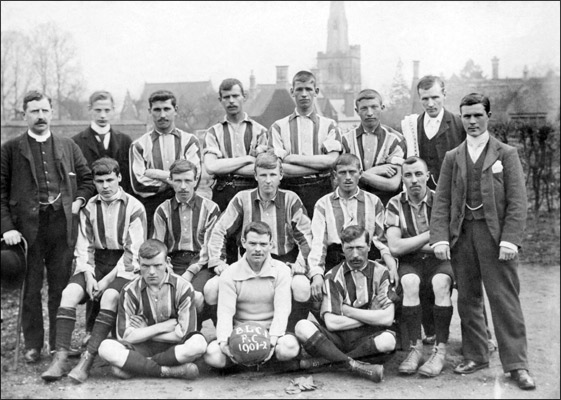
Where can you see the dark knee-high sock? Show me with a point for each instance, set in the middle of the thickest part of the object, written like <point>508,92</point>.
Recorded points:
<point>299,311</point>
<point>166,358</point>
<point>318,345</point>
<point>140,365</point>
<point>103,324</point>
<point>442,318</point>
<point>366,348</point>
<point>411,317</point>
<point>427,298</point>
<point>65,322</point>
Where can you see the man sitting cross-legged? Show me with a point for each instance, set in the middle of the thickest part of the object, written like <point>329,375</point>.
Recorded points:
<point>112,228</point>
<point>156,322</point>
<point>357,313</point>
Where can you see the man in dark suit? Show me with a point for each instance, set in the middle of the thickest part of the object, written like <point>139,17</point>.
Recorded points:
<point>45,180</point>
<point>100,139</point>
<point>478,221</point>
<point>97,141</point>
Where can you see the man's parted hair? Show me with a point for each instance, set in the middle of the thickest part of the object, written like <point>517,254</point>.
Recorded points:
<point>259,227</point>
<point>476,98</point>
<point>412,160</point>
<point>304,76</point>
<point>162,95</point>
<point>353,232</point>
<point>347,159</point>
<point>365,94</point>
<point>428,81</point>
<point>101,95</point>
<point>268,160</point>
<point>180,166</point>
<point>35,95</point>
<point>105,166</point>
<point>151,248</point>
<point>228,84</point>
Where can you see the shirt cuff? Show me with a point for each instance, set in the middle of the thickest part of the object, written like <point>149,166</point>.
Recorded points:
<point>84,202</point>
<point>315,271</point>
<point>509,245</point>
<point>439,243</point>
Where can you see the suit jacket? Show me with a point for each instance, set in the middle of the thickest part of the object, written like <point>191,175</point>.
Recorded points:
<point>503,191</point>
<point>20,190</point>
<point>450,134</point>
<point>119,144</point>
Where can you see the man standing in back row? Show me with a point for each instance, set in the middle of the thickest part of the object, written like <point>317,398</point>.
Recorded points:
<point>305,143</point>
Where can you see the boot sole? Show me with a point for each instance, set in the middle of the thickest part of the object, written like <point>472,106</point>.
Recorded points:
<point>76,379</point>
<point>428,374</point>
<point>51,378</point>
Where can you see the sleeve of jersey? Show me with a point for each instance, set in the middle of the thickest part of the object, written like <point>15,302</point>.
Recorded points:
<point>316,259</point>
<point>392,213</point>
<point>382,283</point>
<point>186,311</point>
<point>276,142</point>
<point>85,248</point>
<point>141,184</point>
<point>204,237</point>
<point>379,238</point>
<point>227,224</point>
<point>333,141</point>
<point>397,150</point>
<point>226,308</point>
<point>211,143</point>
<point>160,224</point>
<point>301,227</point>
<point>193,152</point>
<point>135,236</point>
<point>332,299</point>
<point>282,302</point>
<point>128,304</point>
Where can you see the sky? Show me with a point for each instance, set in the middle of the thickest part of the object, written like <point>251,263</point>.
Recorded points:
<point>122,44</point>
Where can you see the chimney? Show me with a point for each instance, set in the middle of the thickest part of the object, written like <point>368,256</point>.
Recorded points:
<point>416,69</point>
<point>251,85</point>
<point>525,72</point>
<point>282,75</point>
<point>495,62</point>
<point>349,103</point>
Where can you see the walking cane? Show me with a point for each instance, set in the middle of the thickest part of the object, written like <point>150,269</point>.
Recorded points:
<point>20,306</point>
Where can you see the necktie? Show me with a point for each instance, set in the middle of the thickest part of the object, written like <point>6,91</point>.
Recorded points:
<point>432,128</point>
<point>101,137</point>
<point>361,289</point>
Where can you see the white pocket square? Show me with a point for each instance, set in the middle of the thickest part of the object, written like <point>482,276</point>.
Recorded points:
<point>497,167</point>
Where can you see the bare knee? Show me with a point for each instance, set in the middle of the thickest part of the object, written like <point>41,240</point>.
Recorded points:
<point>441,285</point>
<point>109,350</point>
<point>301,290</point>
<point>304,330</point>
<point>287,348</point>
<point>194,348</point>
<point>72,295</point>
<point>214,356</point>
<point>210,291</point>
<point>199,301</point>
<point>410,284</point>
<point>385,342</point>
<point>109,300</point>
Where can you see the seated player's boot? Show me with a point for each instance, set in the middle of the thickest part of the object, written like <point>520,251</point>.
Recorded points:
<point>313,362</point>
<point>373,372</point>
<point>120,373</point>
<point>411,363</point>
<point>436,362</point>
<point>81,371</point>
<point>58,368</point>
<point>184,371</point>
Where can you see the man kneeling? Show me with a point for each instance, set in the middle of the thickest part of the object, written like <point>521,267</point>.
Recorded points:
<point>356,310</point>
<point>156,322</point>
<point>254,289</point>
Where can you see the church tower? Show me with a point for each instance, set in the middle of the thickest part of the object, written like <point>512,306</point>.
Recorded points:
<point>339,66</point>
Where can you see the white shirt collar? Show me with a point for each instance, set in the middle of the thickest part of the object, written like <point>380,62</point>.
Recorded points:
<point>438,118</point>
<point>40,138</point>
<point>479,141</point>
<point>101,130</point>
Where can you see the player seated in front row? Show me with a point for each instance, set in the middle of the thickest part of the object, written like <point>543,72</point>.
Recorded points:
<point>156,322</point>
<point>106,258</point>
<point>357,311</point>
<point>254,289</point>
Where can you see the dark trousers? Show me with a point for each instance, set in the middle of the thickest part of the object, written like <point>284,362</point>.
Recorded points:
<point>475,260</point>
<point>151,203</point>
<point>310,190</point>
<point>49,250</point>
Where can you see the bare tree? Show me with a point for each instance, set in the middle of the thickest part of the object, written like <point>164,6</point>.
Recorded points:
<point>56,64</point>
<point>15,74</point>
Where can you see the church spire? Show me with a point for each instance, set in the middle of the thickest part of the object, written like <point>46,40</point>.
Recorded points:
<point>337,30</point>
